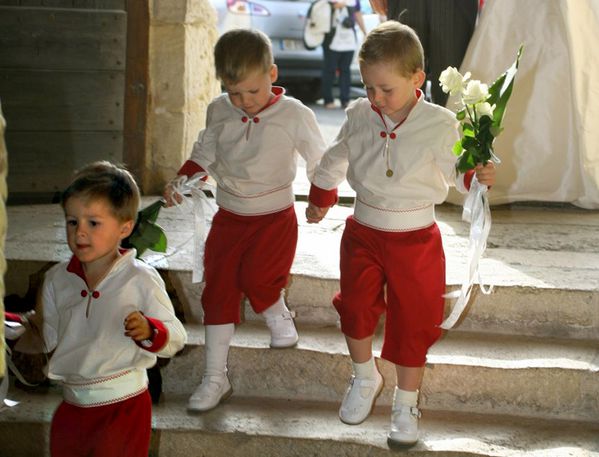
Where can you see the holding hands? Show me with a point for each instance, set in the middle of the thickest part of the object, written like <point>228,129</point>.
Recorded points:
<point>137,326</point>
<point>315,214</point>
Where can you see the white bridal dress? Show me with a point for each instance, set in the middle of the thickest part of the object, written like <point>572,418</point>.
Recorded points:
<point>550,146</point>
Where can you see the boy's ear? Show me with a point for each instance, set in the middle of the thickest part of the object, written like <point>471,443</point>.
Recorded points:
<point>274,73</point>
<point>418,78</point>
<point>126,229</point>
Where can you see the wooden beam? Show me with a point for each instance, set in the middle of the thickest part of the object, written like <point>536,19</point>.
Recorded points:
<point>136,89</point>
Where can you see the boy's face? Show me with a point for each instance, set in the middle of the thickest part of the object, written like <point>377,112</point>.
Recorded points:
<point>388,90</point>
<point>93,232</point>
<point>252,93</point>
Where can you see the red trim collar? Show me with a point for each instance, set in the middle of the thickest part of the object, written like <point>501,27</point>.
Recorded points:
<point>76,267</point>
<point>374,108</point>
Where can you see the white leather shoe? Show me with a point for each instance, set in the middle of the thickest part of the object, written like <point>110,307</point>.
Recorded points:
<point>213,390</point>
<point>404,425</point>
<point>359,399</point>
<point>282,330</point>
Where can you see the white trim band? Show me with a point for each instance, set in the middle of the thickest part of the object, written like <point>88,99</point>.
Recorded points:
<point>105,391</point>
<point>255,205</point>
<point>394,220</point>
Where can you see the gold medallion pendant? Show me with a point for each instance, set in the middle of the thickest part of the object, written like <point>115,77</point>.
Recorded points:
<point>389,173</point>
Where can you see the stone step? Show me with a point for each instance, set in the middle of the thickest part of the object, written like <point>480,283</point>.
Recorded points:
<point>543,262</point>
<point>263,427</point>
<point>466,372</point>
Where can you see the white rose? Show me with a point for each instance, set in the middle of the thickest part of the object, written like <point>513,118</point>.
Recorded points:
<point>476,92</point>
<point>451,80</point>
<point>484,109</point>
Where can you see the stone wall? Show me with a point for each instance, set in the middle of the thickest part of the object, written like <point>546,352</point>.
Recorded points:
<point>182,83</point>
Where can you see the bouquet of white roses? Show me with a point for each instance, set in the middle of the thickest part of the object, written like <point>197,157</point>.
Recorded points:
<point>481,113</point>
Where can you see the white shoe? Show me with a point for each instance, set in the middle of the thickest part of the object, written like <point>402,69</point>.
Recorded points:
<point>359,399</point>
<point>404,424</point>
<point>213,390</point>
<point>282,330</point>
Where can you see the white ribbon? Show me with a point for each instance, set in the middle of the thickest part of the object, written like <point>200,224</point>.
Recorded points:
<point>477,212</point>
<point>202,205</point>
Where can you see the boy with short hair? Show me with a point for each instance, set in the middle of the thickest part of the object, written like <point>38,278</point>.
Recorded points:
<point>249,146</point>
<point>396,151</point>
<point>106,316</point>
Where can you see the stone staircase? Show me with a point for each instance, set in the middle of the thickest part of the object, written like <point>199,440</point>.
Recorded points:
<point>517,377</point>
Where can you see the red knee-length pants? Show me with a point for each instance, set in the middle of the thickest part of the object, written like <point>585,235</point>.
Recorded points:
<point>117,430</point>
<point>412,267</point>
<point>246,255</point>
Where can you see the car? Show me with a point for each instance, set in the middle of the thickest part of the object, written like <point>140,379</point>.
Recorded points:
<point>300,69</point>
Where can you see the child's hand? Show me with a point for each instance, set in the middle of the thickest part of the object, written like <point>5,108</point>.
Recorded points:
<point>137,327</point>
<point>314,214</point>
<point>170,196</point>
<point>485,174</point>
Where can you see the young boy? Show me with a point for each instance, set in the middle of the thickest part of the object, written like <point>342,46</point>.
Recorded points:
<point>396,151</point>
<point>249,146</point>
<point>106,318</point>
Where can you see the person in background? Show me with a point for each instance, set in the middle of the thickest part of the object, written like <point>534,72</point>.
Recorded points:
<point>106,316</point>
<point>338,48</point>
<point>444,28</point>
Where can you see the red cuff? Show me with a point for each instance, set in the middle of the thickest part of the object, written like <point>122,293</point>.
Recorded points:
<point>321,197</point>
<point>12,317</point>
<point>159,336</point>
<point>468,177</point>
<point>190,168</point>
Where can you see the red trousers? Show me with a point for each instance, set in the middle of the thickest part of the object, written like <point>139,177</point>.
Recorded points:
<point>246,255</point>
<point>118,430</point>
<point>410,266</point>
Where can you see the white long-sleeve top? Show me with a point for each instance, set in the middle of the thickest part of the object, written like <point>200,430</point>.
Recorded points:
<point>254,159</point>
<point>93,358</point>
<point>418,154</point>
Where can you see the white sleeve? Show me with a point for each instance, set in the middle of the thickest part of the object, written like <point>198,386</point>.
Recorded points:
<point>310,143</point>
<point>204,149</point>
<point>157,305</point>
<point>332,169</point>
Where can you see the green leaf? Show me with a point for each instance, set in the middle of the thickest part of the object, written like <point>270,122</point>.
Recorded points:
<point>457,148</point>
<point>147,234</point>
<point>501,90</point>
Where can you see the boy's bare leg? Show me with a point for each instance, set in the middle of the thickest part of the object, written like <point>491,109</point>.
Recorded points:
<point>360,351</point>
<point>409,378</point>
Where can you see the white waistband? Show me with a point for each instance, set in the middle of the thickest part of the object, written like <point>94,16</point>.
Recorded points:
<point>394,220</point>
<point>255,205</point>
<point>104,391</point>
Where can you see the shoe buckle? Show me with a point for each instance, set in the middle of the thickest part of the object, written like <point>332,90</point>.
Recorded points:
<point>414,411</point>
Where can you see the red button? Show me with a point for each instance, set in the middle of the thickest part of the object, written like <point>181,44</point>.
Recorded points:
<point>256,119</point>
<point>95,294</point>
<point>244,119</point>
<point>84,293</point>
<point>383,134</point>
<point>392,135</point>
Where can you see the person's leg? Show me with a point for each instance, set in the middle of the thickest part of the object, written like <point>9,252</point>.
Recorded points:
<point>329,72</point>
<point>221,299</point>
<point>345,60</point>
<point>415,291</point>
<point>360,304</point>
<point>264,273</point>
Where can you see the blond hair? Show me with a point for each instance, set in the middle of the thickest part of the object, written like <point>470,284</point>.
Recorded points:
<point>396,44</point>
<point>239,53</point>
<point>103,180</point>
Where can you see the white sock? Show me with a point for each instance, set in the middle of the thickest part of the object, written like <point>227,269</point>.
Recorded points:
<point>218,340</point>
<point>405,397</point>
<point>365,370</point>
<point>276,309</point>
